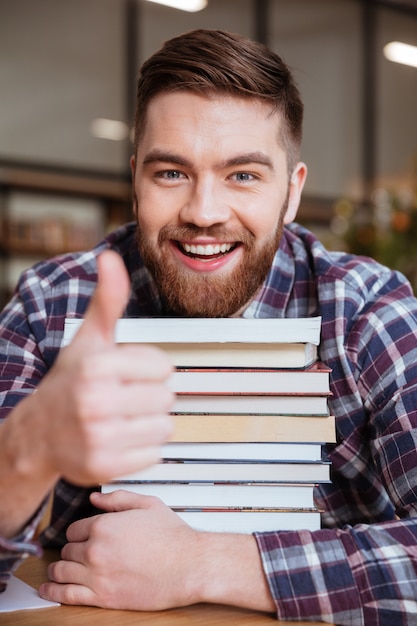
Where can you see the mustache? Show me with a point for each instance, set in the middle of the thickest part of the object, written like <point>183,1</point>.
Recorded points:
<point>185,233</point>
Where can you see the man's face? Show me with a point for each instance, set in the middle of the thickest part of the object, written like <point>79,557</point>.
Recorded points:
<point>212,193</point>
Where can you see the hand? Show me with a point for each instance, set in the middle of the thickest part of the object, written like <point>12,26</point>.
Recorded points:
<point>102,409</point>
<point>129,558</point>
<point>141,556</point>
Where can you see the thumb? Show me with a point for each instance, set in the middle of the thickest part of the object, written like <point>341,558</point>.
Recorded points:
<point>109,300</point>
<point>120,500</point>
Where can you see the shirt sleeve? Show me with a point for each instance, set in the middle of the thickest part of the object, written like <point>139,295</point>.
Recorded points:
<point>18,368</point>
<point>23,331</point>
<point>352,577</point>
<point>362,568</point>
<point>14,551</point>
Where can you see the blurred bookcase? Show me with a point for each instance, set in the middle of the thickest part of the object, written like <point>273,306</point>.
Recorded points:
<point>44,213</point>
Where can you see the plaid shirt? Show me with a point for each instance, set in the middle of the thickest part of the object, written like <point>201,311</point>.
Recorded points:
<point>361,567</point>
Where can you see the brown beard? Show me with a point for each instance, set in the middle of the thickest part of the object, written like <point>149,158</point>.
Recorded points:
<point>192,294</point>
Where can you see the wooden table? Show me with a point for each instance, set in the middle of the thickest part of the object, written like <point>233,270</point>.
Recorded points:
<point>33,572</point>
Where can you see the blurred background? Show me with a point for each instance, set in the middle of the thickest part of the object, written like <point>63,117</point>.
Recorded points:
<point>67,92</point>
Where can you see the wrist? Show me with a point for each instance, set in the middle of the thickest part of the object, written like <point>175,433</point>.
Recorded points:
<point>26,443</point>
<point>229,570</point>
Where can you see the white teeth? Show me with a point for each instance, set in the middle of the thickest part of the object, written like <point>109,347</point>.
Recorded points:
<point>207,250</point>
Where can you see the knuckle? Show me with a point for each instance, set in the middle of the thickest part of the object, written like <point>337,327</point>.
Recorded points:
<point>153,502</point>
<point>86,368</point>
<point>70,595</point>
<point>89,404</point>
<point>55,571</point>
<point>167,398</point>
<point>93,554</point>
<point>98,526</point>
<point>155,362</point>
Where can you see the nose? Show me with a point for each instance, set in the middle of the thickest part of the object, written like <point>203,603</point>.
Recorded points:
<point>206,204</point>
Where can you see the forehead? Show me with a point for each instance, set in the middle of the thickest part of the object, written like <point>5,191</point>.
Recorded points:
<point>200,121</point>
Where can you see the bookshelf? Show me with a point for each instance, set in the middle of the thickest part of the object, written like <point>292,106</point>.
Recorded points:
<point>44,212</point>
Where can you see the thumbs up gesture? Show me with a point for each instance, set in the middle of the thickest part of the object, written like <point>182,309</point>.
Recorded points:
<point>103,409</point>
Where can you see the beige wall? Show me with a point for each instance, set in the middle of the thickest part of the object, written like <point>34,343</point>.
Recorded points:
<point>63,63</point>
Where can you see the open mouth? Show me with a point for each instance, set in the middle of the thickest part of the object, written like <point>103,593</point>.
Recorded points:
<point>206,251</point>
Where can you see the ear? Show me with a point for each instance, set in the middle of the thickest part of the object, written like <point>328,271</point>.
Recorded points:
<point>133,165</point>
<point>133,170</point>
<point>298,178</point>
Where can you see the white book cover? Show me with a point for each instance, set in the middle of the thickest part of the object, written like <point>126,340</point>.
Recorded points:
<point>248,472</point>
<point>243,451</point>
<point>313,379</point>
<point>210,330</point>
<point>220,495</point>
<point>249,522</point>
<point>240,355</point>
<point>251,404</point>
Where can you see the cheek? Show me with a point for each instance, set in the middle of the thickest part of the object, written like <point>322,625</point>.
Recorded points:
<point>148,225</point>
<point>262,215</point>
<point>271,213</point>
<point>155,209</point>
<point>262,224</point>
<point>148,215</point>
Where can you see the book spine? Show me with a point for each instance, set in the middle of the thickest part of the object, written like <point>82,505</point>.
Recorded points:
<point>250,522</point>
<point>252,428</point>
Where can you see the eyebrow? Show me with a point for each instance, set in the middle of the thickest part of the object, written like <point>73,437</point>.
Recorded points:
<point>163,156</point>
<point>251,157</point>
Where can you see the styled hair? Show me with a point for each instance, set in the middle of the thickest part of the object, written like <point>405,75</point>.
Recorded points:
<point>215,62</point>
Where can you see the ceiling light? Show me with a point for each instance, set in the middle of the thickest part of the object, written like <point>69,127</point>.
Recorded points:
<point>109,129</point>
<point>183,5</point>
<point>401,53</point>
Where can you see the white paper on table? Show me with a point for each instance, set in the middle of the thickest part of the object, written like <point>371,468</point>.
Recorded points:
<point>19,595</point>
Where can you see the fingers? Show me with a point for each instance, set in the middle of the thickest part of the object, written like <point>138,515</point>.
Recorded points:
<point>77,533</point>
<point>80,532</point>
<point>134,460</point>
<point>121,500</point>
<point>67,594</point>
<point>68,584</point>
<point>122,447</point>
<point>111,399</point>
<point>130,362</point>
<point>103,409</point>
<point>108,302</point>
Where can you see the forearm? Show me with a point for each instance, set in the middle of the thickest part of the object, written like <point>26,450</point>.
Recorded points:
<point>22,491</point>
<point>26,477</point>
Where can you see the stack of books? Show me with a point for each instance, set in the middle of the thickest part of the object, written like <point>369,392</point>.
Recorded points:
<point>251,416</point>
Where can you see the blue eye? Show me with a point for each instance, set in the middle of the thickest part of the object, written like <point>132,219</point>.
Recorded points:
<point>172,174</point>
<point>243,177</point>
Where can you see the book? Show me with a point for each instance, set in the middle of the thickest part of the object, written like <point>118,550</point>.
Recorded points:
<point>243,451</point>
<point>313,379</point>
<point>273,355</point>
<point>253,428</point>
<point>243,404</point>
<point>222,342</point>
<point>251,521</point>
<point>222,495</point>
<point>211,330</point>
<point>250,415</point>
<point>232,472</point>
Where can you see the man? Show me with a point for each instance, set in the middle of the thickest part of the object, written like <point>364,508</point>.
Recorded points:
<point>217,183</point>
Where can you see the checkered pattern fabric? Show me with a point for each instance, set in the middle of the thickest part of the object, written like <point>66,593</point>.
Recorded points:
<point>361,567</point>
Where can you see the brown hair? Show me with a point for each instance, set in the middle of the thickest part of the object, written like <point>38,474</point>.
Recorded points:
<point>212,62</point>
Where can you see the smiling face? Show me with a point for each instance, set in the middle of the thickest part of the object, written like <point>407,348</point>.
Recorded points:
<point>212,193</point>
